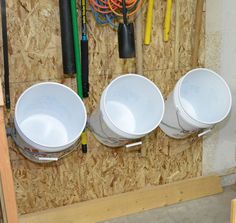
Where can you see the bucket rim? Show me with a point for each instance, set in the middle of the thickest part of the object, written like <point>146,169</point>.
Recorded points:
<point>44,147</point>
<point>219,77</point>
<point>137,134</point>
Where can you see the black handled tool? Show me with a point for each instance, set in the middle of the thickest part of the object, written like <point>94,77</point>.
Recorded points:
<point>126,40</point>
<point>5,55</point>
<point>68,54</point>
<point>84,51</point>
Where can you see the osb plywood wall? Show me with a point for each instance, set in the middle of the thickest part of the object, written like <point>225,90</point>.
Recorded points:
<point>35,56</point>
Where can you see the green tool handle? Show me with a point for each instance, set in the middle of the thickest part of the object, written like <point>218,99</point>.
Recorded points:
<point>77,48</point>
<point>78,63</point>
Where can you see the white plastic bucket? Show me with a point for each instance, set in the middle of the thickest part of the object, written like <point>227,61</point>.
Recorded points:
<point>49,119</point>
<point>131,106</point>
<point>200,99</point>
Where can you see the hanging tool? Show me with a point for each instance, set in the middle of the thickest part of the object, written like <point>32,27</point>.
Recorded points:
<point>177,30</point>
<point>108,11</point>
<point>126,41</point>
<point>167,22</point>
<point>197,34</point>
<point>5,55</point>
<point>148,29</point>
<point>68,55</point>
<point>78,65</point>
<point>84,51</point>
<point>139,43</point>
<point>139,59</point>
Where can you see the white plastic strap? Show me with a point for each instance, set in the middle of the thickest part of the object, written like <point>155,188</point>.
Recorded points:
<point>48,158</point>
<point>133,144</point>
<point>204,132</point>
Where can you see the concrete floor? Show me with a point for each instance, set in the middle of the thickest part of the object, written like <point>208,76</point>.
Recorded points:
<point>212,209</point>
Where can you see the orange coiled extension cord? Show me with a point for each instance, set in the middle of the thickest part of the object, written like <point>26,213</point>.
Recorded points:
<point>115,6</point>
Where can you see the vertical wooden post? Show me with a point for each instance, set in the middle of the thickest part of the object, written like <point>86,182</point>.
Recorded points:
<point>233,211</point>
<point>7,192</point>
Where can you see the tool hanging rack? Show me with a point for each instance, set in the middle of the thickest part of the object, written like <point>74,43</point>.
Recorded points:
<point>109,11</point>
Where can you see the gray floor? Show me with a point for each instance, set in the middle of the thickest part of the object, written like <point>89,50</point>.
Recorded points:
<point>212,209</point>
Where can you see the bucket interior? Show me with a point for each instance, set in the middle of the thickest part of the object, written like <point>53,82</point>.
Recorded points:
<point>205,96</point>
<point>50,114</point>
<point>134,104</point>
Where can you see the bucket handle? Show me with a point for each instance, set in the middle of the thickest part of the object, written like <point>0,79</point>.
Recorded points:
<point>206,131</point>
<point>107,139</point>
<point>11,131</point>
<point>133,144</point>
<point>48,158</point>
<point>176,128</point>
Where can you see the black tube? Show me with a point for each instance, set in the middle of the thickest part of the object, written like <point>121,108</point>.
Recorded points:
<point>5,55</point>
<point>68,55</point>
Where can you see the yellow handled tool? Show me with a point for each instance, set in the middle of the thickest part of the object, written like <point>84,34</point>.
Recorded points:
<point>83,139</point>
<point>167,22</point>
<point>148,29</point>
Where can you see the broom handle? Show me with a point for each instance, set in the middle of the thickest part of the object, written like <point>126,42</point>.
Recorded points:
<point>167,22</point>
<point>78,65</point>
<point>77,48</point>
<point>197,34</point>
<point>139,46</point>
<point>147,38</point>
<point>177,29</point>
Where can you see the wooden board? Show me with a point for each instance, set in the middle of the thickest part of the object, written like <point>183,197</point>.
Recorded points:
<point>3,213</point>
<point>128,203</point>
<point>35,56</point>
<point>8,199</point>
<point>233,211</point>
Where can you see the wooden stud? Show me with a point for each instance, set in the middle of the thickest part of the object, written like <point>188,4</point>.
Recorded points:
<point>233,211</point>
<point>128,203</point>
<point>3,215</point>
<point>8,191</point>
